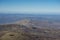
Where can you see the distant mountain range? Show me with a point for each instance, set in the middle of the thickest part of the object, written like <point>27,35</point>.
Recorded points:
<point>40,20</point>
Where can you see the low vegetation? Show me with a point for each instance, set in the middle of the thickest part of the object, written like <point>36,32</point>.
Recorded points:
<point>21,32</point>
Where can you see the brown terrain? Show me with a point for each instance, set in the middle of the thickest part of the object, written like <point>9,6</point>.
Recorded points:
<point>30,30</point>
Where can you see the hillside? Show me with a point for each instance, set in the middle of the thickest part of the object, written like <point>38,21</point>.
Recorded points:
<point>30,29</point>
<point>22,32</point>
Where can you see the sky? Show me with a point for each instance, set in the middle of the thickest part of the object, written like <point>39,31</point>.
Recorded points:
<point>29,6</point>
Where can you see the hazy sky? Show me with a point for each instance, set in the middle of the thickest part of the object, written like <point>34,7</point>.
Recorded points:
<point>30,6</point>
